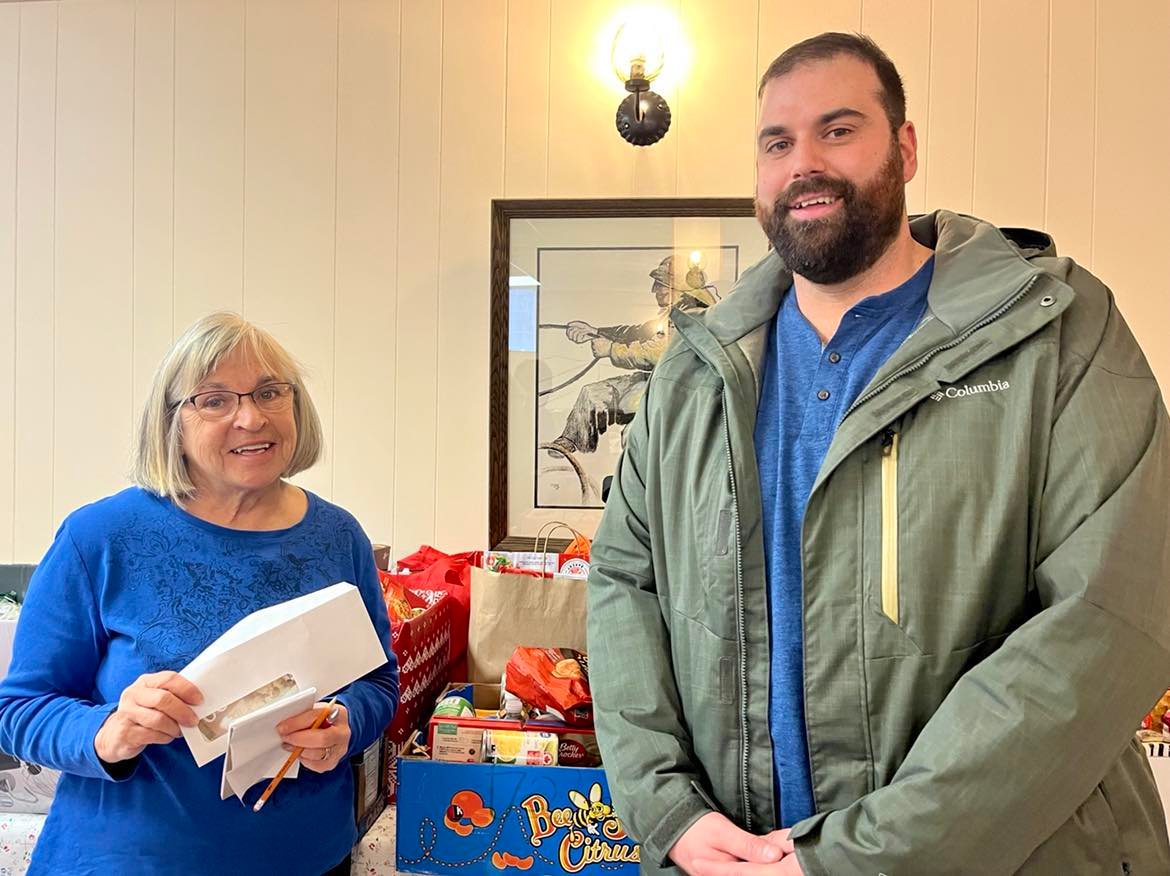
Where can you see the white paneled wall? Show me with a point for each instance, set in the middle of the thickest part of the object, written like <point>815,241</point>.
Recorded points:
<point>326,166</point>
<point>9,110</point>
<point>34,309</point>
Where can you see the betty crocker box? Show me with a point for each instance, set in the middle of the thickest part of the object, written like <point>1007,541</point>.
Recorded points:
<point>483,819</point>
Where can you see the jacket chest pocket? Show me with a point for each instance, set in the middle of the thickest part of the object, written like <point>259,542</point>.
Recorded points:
<point>889,525</point>
<point>887,604</point>
<point>944,540</point>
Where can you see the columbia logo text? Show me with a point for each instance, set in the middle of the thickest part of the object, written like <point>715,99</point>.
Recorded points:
<point>971,389</point>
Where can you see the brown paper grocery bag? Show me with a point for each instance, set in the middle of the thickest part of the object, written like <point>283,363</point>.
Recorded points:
<point>509,610</point>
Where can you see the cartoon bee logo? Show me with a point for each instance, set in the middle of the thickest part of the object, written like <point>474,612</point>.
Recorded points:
<point>591,812</point>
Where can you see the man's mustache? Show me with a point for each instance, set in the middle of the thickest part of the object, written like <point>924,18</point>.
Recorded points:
<point>823,185</point>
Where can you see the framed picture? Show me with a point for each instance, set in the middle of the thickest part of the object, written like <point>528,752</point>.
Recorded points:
<point>581,296</point>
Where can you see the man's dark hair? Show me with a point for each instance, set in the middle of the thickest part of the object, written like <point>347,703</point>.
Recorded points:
<point>830,45</point>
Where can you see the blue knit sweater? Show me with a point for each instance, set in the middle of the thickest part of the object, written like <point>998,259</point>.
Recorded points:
<point>133,584</point>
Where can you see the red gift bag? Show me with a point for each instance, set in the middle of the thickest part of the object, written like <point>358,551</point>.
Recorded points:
<point>422,645</point>
<point>433,574</point>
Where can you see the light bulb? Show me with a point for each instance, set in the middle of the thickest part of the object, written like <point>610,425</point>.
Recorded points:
<point>638,48</point>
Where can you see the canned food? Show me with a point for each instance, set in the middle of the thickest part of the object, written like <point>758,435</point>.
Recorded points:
<point>523,747</point>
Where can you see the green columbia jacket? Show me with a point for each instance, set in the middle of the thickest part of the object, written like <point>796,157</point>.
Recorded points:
<point>986,584</point>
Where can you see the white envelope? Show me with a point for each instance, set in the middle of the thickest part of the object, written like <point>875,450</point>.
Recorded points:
<point>323,640</point>
<point>254,749</point>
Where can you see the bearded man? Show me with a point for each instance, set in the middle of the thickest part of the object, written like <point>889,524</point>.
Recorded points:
<point>883,580</point>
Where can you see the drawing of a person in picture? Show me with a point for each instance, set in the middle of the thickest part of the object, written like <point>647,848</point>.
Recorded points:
<point>634,348</point>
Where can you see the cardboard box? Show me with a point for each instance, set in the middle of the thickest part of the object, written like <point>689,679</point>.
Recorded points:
<point>369,786</point>
<point>382,557</point>
<point>484,697</point>
<point>480,819</point>
<point>576,746</point>
<point>453,742</point>
<point>24,787</point>
<point>564,565</point>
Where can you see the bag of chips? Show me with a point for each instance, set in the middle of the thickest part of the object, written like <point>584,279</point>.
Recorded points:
<point>552,680</point>
<point>401,604</point>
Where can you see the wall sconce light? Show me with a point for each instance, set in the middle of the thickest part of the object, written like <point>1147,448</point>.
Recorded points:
<point>637,55</point>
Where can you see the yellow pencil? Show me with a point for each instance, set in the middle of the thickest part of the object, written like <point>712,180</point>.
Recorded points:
<point>328,712</point>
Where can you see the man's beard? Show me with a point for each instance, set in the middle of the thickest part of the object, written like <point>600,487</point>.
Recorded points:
<point>841,245</point>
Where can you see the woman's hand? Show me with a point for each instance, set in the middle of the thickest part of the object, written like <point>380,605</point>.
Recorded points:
<point>150,712</point>
<point>324,747</point>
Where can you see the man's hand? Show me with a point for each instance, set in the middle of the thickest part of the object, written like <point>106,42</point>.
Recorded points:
<point>579,331</point>
<point>601,348</point>
<point>780,838</point>
<point>786,866</point>
<point>150,712</point>
<point>715,841</point>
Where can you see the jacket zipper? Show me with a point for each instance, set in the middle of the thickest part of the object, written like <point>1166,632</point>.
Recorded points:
<point>987,320</point>
<point>890,524</point>
<point>739,626</point>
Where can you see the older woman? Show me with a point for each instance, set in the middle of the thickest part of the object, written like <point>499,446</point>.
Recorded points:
<point>136,585</point>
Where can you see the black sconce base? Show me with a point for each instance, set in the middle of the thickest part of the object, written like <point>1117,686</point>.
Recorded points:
<point>647,127</point>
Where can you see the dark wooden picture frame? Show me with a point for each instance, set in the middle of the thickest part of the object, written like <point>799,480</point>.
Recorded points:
<point>503,214</point>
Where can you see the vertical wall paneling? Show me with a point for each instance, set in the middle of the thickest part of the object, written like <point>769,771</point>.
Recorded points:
<point>1011,112</point>
<point>208,158</point>
<point>1132,178</point>
<point>473,48</point>
<point>290,181</point>
<point>1068,205</point>
<point>656,167</point>
<point>92,259</point>
<point>902,29</point>
<point>35,148</point>
<point>9,85</point>
<point>153,206</point>
<point>784,24</point>
<point>950,146</point>
<point>419,149</point>
<point>716,104</point>
<point>367,237</point>
<point>586,156</point>
<point>530,83</point>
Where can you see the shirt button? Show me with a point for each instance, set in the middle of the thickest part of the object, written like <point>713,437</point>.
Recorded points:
<point>834,357</point>
<point>823,394</point>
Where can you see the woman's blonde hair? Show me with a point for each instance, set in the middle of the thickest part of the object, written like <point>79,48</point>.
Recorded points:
<point>158,464</point>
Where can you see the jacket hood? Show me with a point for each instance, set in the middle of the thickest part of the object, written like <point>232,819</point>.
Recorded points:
<point>963,290</point>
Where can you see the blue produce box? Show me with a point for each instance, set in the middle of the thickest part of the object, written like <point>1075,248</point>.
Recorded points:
<point>483,819</point>
<point>491,818</point>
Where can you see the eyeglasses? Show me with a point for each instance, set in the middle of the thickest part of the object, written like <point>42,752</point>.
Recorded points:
<point>219,404</point>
